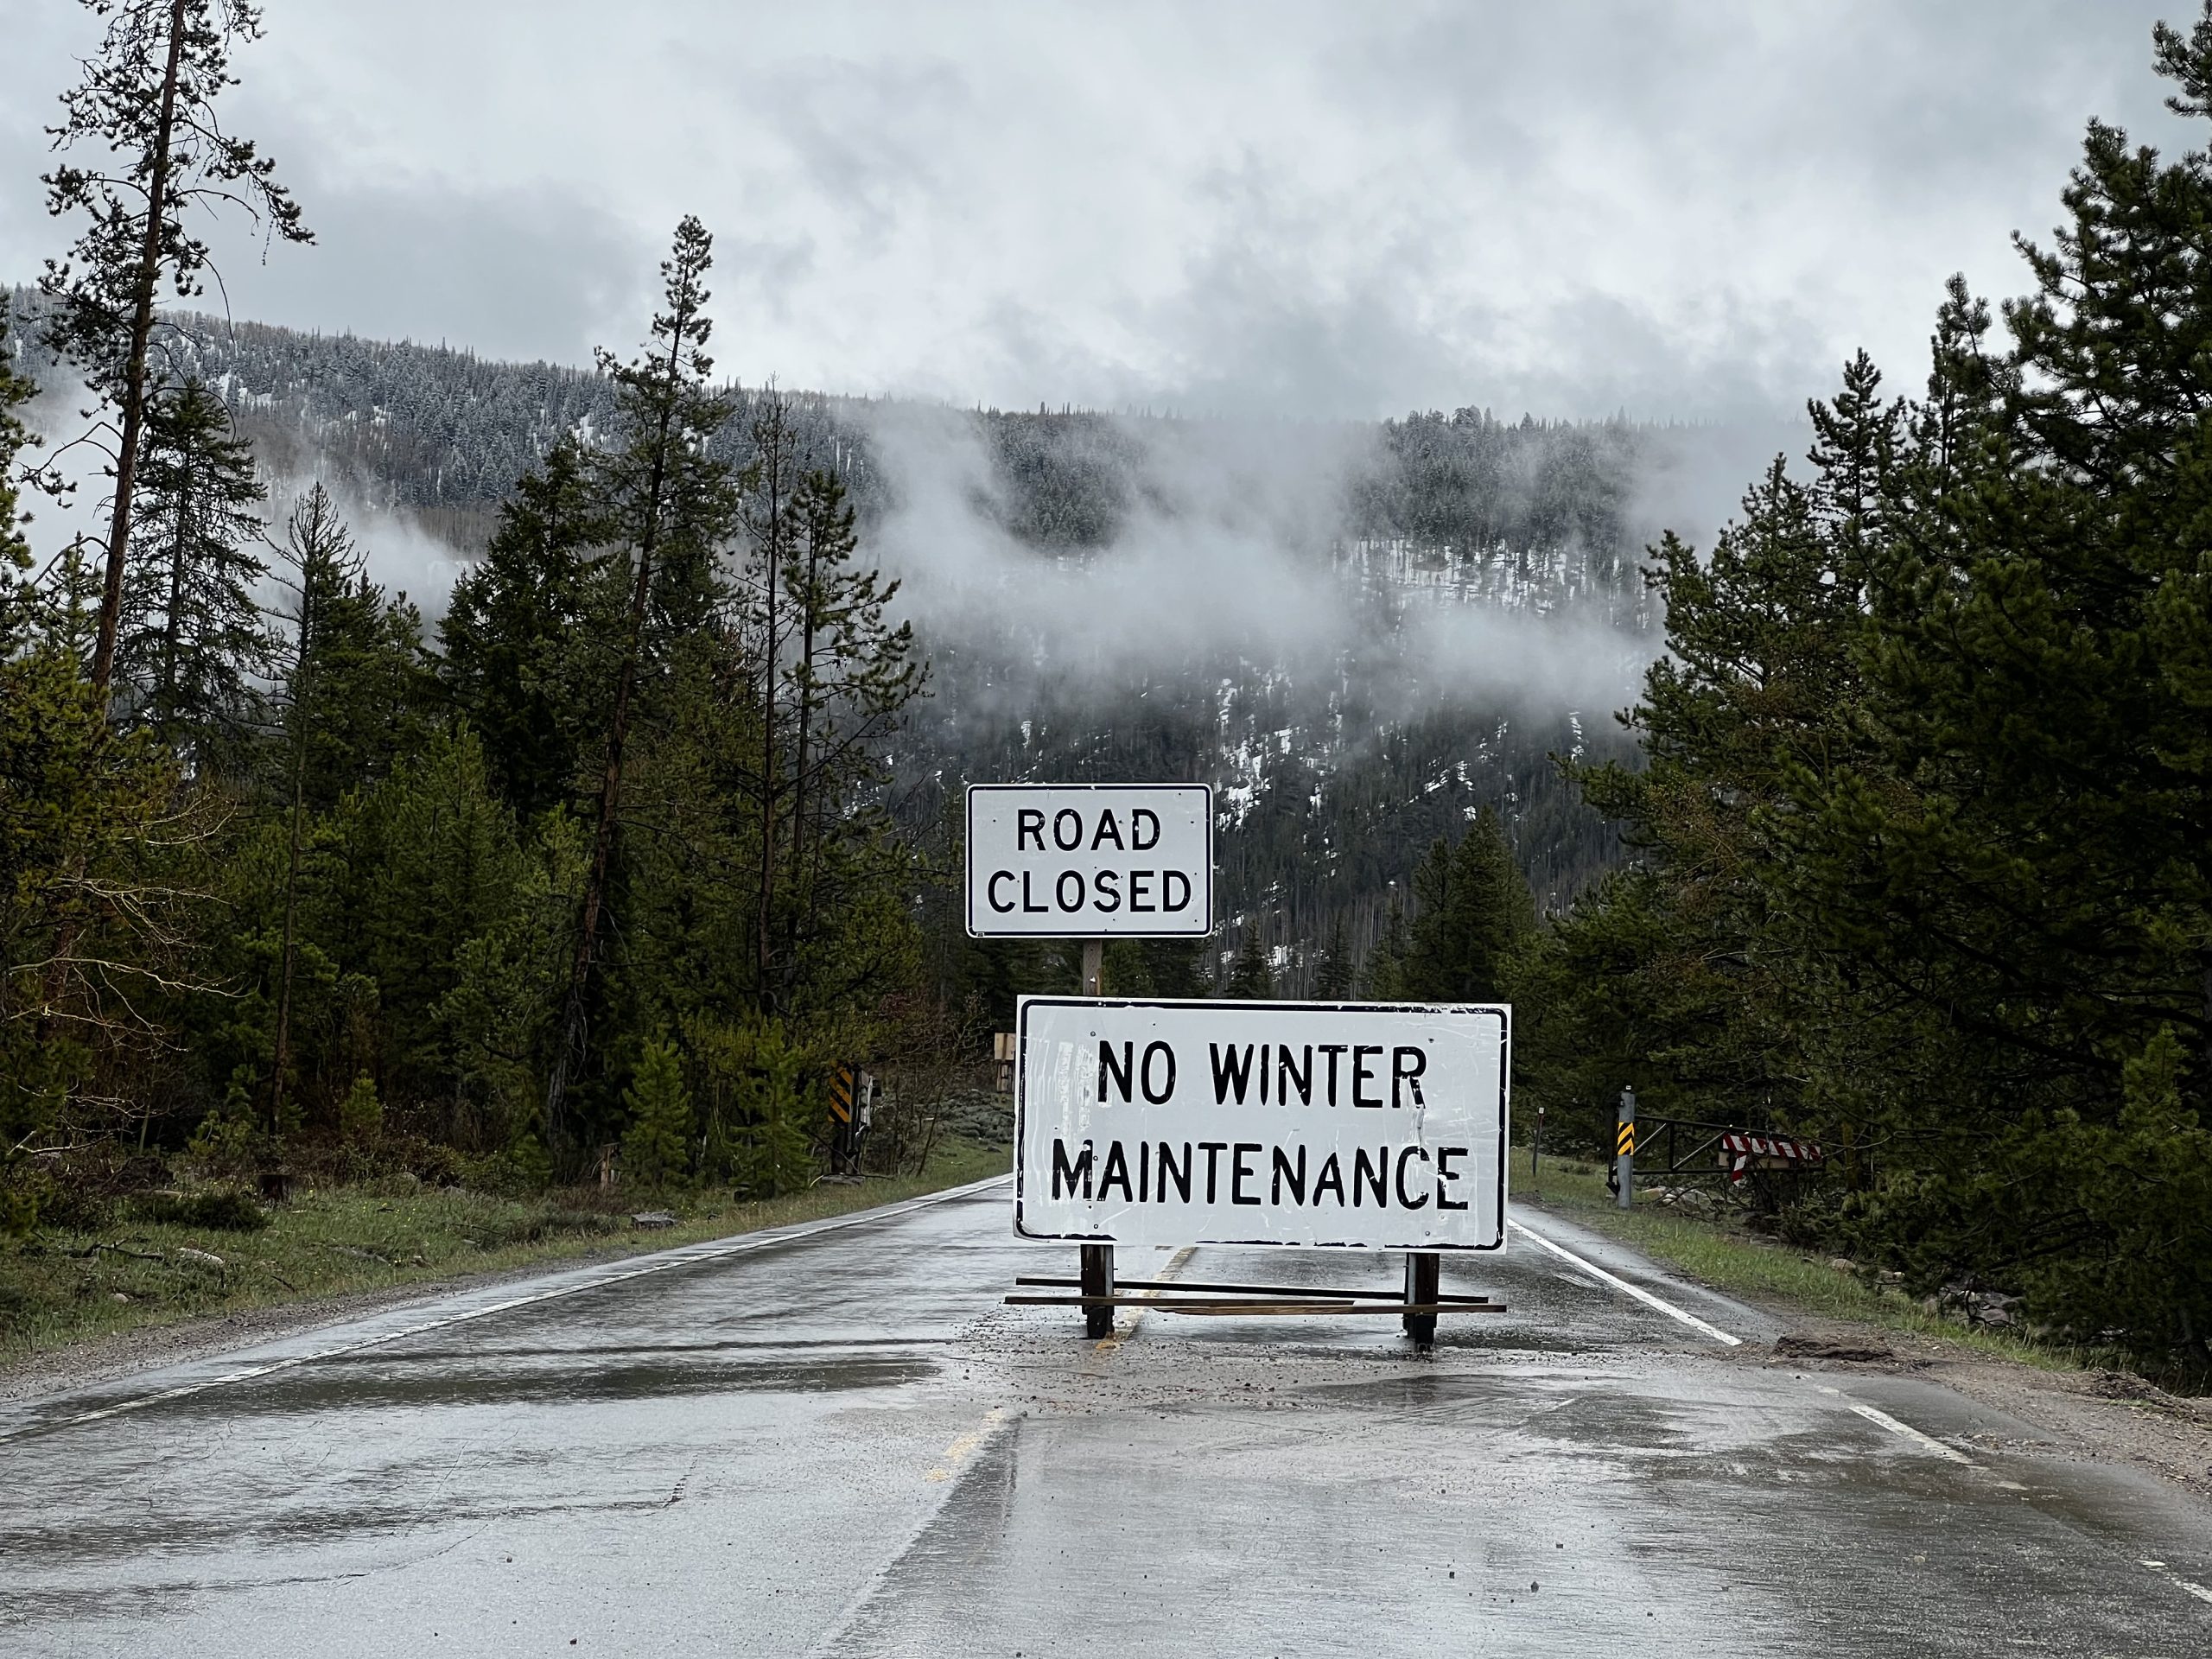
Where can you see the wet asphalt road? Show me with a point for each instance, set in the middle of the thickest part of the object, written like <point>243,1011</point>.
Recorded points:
<point>834,1439</point>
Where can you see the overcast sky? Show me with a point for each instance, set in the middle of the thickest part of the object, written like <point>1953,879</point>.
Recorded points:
<point>1692,209</point>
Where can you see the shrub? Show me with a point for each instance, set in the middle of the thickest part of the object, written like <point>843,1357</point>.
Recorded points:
<point>222,1210</point>
<point>360,1114</point>
<point>657,1149</point>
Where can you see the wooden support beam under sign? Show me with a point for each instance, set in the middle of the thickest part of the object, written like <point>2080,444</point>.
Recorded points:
<point>1325,1293</point>
<point>1171,1305</point>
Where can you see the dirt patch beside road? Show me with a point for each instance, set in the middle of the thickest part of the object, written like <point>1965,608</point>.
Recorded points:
<point>2107,1416</point>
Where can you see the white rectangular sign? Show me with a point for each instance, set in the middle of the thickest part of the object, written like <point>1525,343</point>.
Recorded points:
<point>1368,1125</point>
<point>1096,861</point>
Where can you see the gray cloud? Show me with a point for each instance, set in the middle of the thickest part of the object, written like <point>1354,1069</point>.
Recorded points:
<point>1691,208</point>
<point>425,261</point>
<point>1232,554</point>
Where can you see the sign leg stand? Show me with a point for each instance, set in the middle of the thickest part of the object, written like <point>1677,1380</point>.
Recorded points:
<point>1422,1279</point>
<point>1098,1259</point>
<point>1097,1281</point>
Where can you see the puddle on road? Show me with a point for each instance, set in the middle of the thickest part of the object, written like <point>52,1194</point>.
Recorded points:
<point>492,1380</point>
<point>734,1345</point>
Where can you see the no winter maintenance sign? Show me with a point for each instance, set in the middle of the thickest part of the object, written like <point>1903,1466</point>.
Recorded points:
<point>1366,1125</point>
<point>1068,862</point>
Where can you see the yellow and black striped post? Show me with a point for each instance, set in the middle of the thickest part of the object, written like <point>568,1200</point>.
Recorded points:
<point>1624,1149</point>
<point>848,1107</point>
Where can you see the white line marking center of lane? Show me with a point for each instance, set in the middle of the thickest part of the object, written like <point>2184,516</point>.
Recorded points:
<point>1623,1285</point>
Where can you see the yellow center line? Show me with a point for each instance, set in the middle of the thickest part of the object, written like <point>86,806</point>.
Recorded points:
<point>962,1449</point>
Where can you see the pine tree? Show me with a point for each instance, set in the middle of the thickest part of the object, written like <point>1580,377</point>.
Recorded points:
<point>360,1114</point>
<point>496,1021</point>
<point>656,1148</point>
<point>64,604</point>
<point>437,865</point>
<point>1382,977</point>
<point>769,485</point>
<point>193,639</point>
<point>18,606</point>
<point>1173,968</point>
<point>1333,973</point>
<point>377,699</point>
<point>1251,979</point>
<point>852,674</point>
<point>320,554</point>
<point>525,639</point>
<point>762,1103</point>
<point>92,934</point>
<point>1474,911</point>
<point>146,107</point>
<point>663,493</point>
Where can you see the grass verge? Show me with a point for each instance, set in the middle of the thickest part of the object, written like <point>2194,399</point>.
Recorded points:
<point>154,1269</point>
<point>1721,1254</point>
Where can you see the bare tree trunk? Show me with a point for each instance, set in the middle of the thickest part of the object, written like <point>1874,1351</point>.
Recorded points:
<point>164,705</point>
<point>300,675</point>
<point>772,476</point>
<point>570,1046</point>
<point>810,623</point>
<point>134,374</point>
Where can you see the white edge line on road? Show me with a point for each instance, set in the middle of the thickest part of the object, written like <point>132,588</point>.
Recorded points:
<point>684,1256</point>
<point>1926,1442</point>
<point>2176,1578</point>
<point>1620,1284</point>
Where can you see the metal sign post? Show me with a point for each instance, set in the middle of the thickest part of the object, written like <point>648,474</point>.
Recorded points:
<point>1094,862</point>
<point>1097,1260</point>
<point>852,1104</point>
<point>1625,1150</point>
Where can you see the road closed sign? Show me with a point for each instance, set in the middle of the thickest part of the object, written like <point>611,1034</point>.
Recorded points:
<point>1361,1125</point>
<point>1067,862</point>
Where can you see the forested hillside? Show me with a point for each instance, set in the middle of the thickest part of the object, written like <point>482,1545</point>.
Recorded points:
<point>1335,774</point>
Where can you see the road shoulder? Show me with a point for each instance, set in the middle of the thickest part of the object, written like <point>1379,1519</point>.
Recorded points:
<point>2078,1412</point>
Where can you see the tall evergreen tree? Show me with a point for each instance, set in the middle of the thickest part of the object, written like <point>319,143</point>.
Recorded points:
<point>1474,911</point>
<point>1250,978</point>
<point>852,673</point>
<point>526,638</point>
<point>656,1148</point>
<point>1924,822</point>
<point>19,607</point>
<point>146,109</point>
<point>1332,971</point>
<point>320,552</point>
<point>769,482</point>
<point>664,493</point>
<point>1382,977</point>
<point>193,639</point>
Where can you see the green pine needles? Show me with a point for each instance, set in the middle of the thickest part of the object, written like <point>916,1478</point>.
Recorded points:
<point>1923,833</point>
